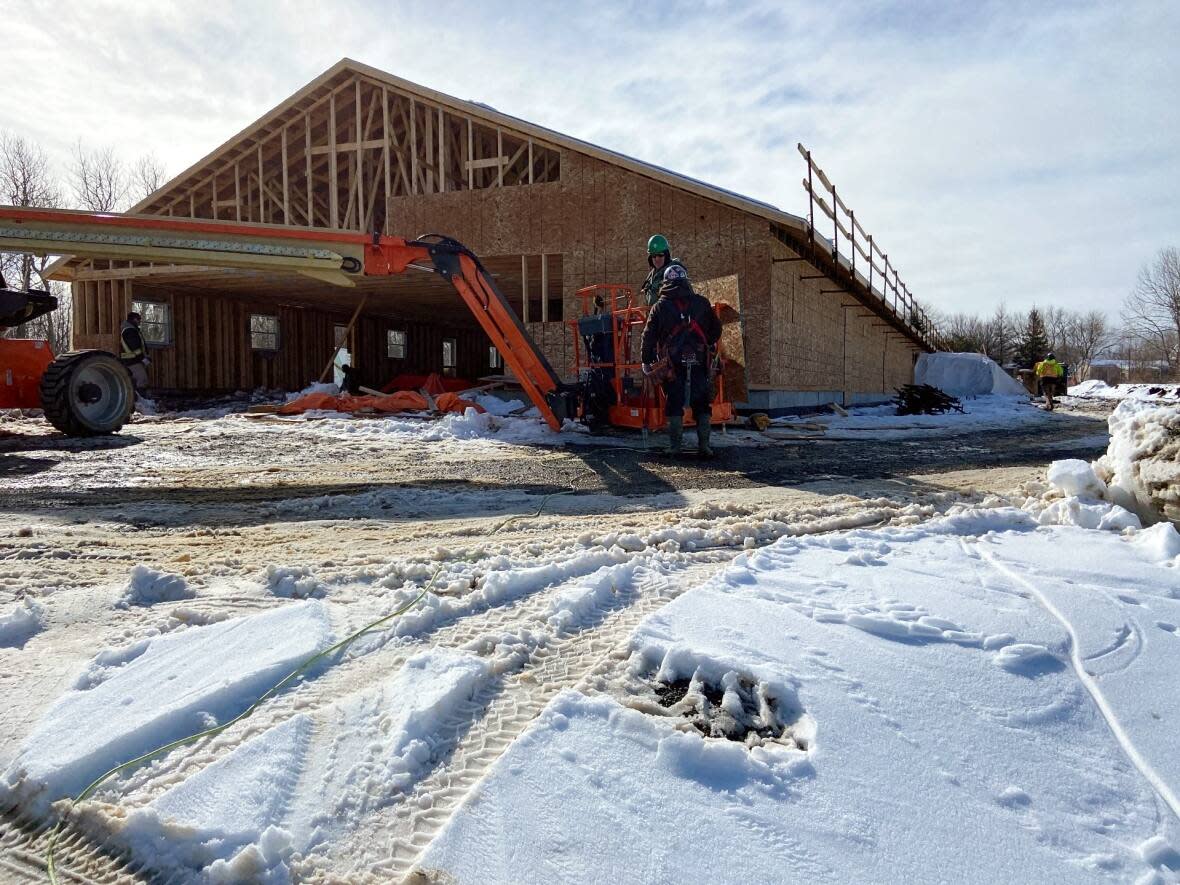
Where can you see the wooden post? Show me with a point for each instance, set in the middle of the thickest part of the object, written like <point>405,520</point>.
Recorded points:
<point>286,189</point>
<point>499,157</point>
<point>413,147</point>
<point>347,333</point>
<point>360,165</point>
<point>470,157</point>
<point>544,288</point>
<point>385,136</point>
<point>261,198</point>
<point>238,189</point>
<point>333,196</point>
<point>524,288</point>
<point>307,152</point>
<point>442,152</point>
<point>530,161</point>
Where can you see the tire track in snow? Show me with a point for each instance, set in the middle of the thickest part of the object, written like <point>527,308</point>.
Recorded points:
<point>1157,783</point>
<point>78,858</point>
<point>404,831</point>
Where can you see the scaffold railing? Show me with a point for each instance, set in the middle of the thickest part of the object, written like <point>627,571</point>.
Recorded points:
<point>853,249</point>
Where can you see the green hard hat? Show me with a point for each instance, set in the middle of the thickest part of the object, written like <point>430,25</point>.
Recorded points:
<point>657,244</point>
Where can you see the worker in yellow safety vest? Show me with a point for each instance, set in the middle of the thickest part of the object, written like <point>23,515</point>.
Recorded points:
<point>1050,374</point>
<point>133,353</point>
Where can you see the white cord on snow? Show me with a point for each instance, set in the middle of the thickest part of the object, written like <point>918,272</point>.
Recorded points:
<point>1152,777</point>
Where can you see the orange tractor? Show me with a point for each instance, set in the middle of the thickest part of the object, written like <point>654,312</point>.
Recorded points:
<point>83,393</point>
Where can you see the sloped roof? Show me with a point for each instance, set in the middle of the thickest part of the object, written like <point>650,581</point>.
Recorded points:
<point>484,112</point>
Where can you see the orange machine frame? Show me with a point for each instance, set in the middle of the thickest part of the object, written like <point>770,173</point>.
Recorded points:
<point>639,403</point>
<point>334,256</point>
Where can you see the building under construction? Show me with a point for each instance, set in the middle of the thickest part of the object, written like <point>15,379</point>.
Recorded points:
<point>823,315</point>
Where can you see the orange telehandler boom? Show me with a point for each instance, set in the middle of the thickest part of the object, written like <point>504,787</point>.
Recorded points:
<point>337,257</point>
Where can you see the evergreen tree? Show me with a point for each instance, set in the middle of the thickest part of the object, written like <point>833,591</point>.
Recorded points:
<point>1033,342</point>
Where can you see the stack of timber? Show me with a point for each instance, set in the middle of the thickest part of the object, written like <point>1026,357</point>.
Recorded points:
<point>923,399</point>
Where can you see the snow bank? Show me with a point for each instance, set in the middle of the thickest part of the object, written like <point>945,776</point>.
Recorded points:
<point>966,374</point>
<point>155,691</point>
<point>20,623</point>
<point>1142,463</point>
<point>148,586</point>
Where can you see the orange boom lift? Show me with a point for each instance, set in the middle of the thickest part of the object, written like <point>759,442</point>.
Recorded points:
<point>89,392</point>
<point>607,363</point>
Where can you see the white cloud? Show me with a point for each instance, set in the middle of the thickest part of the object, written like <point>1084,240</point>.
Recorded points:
<point>999,151</point>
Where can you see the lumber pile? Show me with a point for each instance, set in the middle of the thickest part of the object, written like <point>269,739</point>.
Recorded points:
<point>923,399</point>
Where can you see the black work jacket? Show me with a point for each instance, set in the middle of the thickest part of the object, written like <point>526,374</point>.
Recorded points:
<point>681,322</point>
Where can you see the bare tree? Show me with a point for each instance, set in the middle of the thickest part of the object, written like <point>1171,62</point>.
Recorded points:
<point>99,179</point>
<point>1088,334</point>
<point>26,179</point>
<point>1000,335</point>
<point>1152,310</point>
<point>147,177</point>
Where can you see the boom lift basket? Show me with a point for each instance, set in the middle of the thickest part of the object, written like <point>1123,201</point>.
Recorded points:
<point>607,362</point>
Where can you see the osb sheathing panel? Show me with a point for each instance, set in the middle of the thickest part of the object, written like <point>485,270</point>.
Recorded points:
<point>825,340</point>
<point>727,291</point>
<point>599,218</point>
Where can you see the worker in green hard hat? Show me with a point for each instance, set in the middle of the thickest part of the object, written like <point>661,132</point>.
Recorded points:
<point>659,259</point>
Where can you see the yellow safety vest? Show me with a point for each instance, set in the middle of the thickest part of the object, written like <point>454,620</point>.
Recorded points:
<point>1049,369</point>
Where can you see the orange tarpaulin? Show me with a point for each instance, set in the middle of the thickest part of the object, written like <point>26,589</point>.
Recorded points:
<point>452,402</point>
<point>402,401</point>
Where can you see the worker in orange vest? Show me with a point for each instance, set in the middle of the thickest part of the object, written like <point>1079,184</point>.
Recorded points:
<point>1050,374</point>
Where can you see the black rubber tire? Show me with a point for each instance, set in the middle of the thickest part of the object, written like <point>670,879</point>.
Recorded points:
<point>59,393</point>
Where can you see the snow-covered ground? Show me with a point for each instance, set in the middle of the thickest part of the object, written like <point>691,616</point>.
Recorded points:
<point>980,413</point>
<point>979,697</point>
<point>911,678</point>
<point>1096,389</point>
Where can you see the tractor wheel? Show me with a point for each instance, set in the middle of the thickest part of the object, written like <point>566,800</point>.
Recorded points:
<point>87,393</point>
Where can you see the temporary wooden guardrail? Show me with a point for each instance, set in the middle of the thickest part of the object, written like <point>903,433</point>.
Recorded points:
<point>881,279</point>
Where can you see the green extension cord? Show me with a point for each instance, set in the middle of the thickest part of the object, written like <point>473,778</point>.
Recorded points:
<point>50,865</point>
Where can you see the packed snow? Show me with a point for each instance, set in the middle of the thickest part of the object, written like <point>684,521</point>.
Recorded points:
<point>981,694</point>
<point>1097,389</point>
<point>242,817</point>
<point>20,622</point>
<point>129,700</point>
<point>990,412</point>
<point>148,586</point>
<point>966,374</point>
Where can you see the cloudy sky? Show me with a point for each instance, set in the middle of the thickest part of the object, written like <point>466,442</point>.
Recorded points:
<point>999,151</point>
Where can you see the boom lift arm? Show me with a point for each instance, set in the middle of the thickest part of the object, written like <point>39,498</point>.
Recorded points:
<point>336,257</point>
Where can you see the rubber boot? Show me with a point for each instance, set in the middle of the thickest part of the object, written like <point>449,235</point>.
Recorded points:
<point>675,434</point>
<point>704,431</point>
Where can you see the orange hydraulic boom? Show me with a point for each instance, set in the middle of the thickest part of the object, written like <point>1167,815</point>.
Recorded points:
<point>337,257</point>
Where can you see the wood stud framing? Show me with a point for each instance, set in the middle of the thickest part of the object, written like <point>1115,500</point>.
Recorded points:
<point>359,144</point>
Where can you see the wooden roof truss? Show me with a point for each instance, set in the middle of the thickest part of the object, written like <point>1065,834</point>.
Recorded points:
<point>336,157</point>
